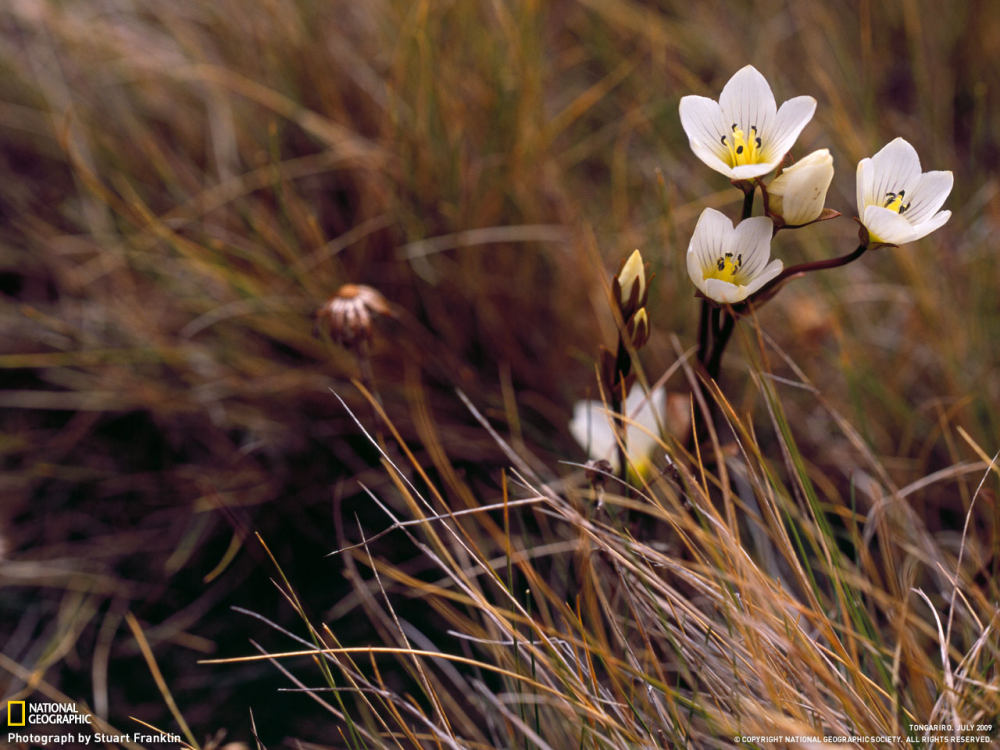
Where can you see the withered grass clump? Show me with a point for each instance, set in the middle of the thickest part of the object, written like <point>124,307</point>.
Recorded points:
<point>738,603</point>
<point>185,185</point>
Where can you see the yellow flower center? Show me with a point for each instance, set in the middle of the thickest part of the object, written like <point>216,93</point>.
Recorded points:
<point>742,150</point>
<point>726,267</point>
<point>894,202</point>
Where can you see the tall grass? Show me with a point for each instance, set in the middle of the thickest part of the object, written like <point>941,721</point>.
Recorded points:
<point>185,185</point>
<point>742,601</point>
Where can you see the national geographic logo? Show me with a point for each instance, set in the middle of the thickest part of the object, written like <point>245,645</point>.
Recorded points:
<point>16,712</point>
<point>23,713</point>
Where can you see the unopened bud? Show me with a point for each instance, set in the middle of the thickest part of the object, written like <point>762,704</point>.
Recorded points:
<point>630,285</point>
<point>348,314</point>
<point>638,328</point>
<point>797,195</point>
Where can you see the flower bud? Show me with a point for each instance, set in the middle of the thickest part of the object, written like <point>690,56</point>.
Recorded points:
<point>630,285</point>
<point>797,195</point>
<point>638,328</point>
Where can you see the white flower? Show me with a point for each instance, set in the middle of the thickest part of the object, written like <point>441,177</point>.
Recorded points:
<point>798,194</point>
<point>896,202</point>
<point>744,135</point>
<point>729,264</point>
<point>593,429</point>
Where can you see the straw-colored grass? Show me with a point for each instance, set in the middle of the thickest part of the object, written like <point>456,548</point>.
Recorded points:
<point>739,603</point>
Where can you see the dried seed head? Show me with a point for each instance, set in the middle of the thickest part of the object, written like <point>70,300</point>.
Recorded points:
<point>348,314</point>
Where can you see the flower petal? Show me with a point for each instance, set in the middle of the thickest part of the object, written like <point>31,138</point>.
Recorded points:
<point>749,171</point>
<point>704,123</point>
<point>711,239</point>
<point>887,226</point>
<point>896,167</point>
<point>695,269</point>
<point>935,222</point>
<point>771,270</point>
<point>929,194</point>
<point>709,158</point>
<point>747,100</point>
<point>658,409</point>
<point>752,239</point>
<point>724,292</point>
<point>798,194</point>
<point>788,124</point>
<point>898,155</point>
<point>591,428</point>
<point>646,414</point>
<point>863,183</point>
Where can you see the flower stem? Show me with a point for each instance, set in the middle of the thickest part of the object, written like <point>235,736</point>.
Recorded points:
<point>362,352</point>
<point>748,194</point>
<point>819,265</point>
<point>623,365</point>
<point>703,332</point>
<point>725,323</point>
<point>771,288</point>
<point>715,327</point>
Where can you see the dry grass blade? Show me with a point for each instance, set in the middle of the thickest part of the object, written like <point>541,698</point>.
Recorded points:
<point>161,684</point>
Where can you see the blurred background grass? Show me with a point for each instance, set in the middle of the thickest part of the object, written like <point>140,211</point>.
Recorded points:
<point>185,184</point>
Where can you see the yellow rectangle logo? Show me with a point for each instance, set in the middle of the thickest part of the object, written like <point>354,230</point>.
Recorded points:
<point>12,720</point>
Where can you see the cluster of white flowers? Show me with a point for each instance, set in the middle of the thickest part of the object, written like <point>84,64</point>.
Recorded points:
<point>745,136</point>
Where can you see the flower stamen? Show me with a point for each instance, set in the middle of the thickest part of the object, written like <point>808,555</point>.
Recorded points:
<point>742,150</point>
<point>726,267</point>
<point>894,202</point>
